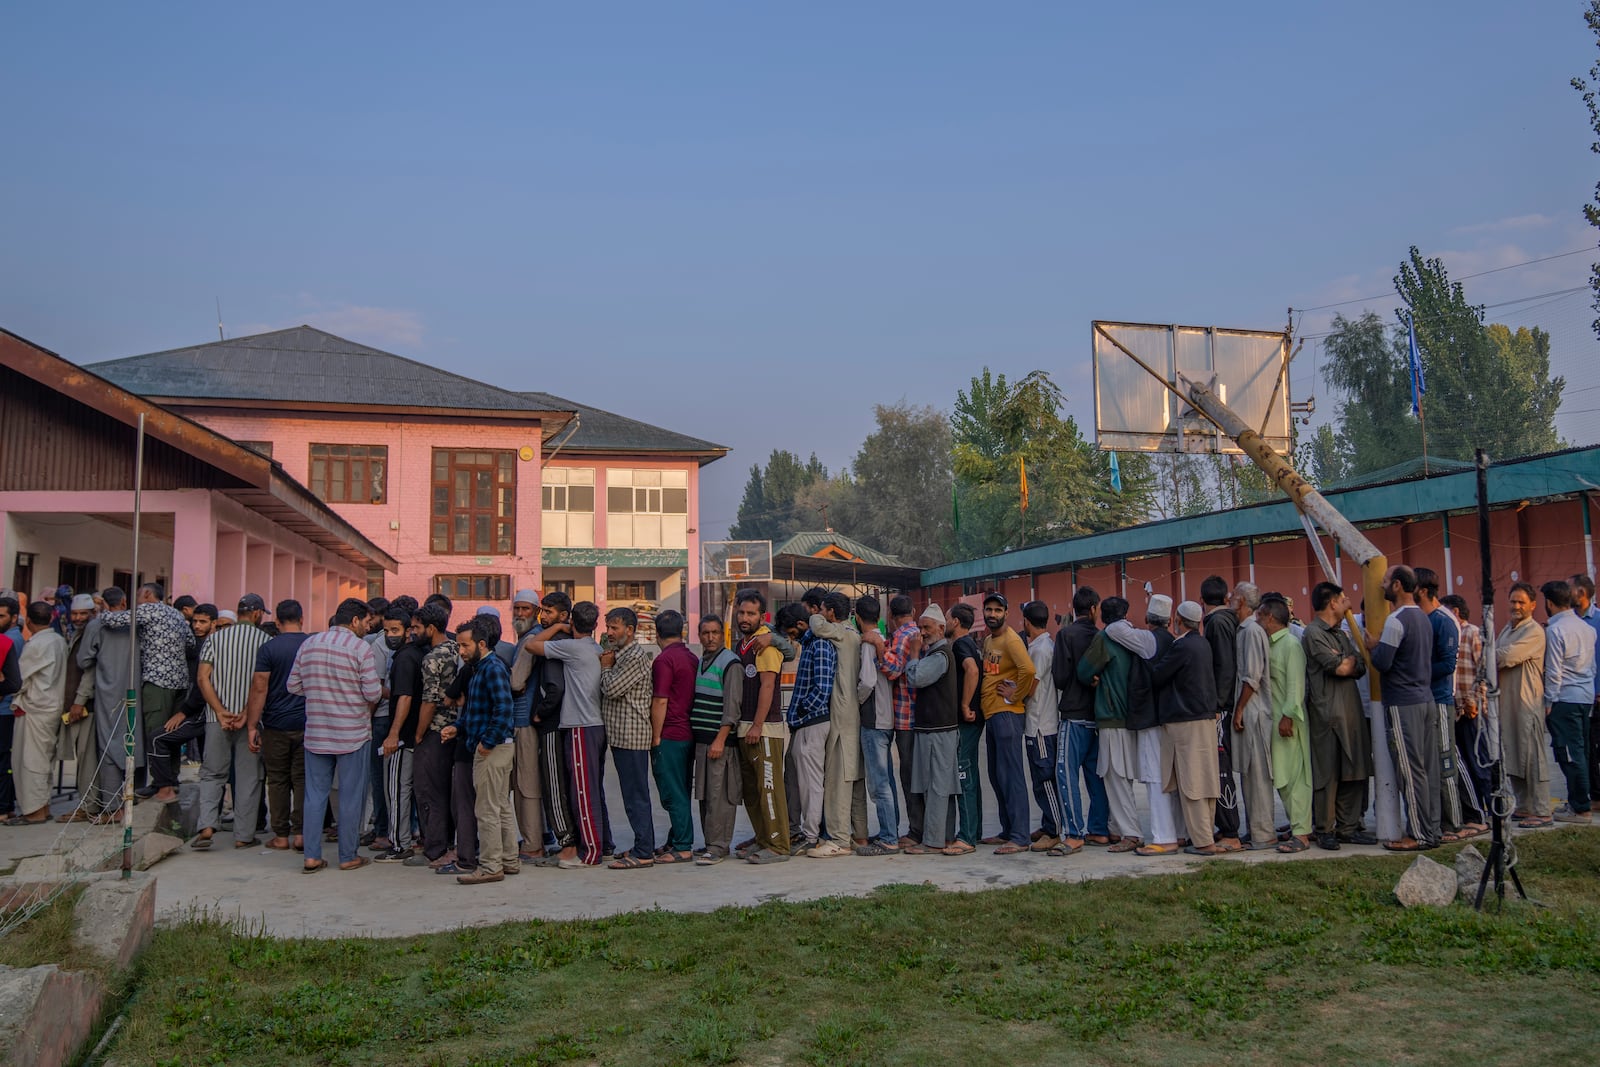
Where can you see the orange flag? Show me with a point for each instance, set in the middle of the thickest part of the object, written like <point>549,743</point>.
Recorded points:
<point>1022,468</point>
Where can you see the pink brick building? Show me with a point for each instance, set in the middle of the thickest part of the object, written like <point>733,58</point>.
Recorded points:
<point>474,490</point>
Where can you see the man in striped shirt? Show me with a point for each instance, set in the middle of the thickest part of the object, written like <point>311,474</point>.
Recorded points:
<point>227,667</point>
<point>337,672</point>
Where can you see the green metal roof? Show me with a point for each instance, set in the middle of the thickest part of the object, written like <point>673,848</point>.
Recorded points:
<point>1512,481</point>
<point>810,542</point>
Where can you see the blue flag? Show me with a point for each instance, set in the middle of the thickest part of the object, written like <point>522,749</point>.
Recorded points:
<point>1116,474</point>
<point>1419,383</point>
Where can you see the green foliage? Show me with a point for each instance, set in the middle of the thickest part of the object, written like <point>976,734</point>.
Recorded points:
<point>997,424</point>
<point>1587,89</point>
<point>896,497</point>
<point>772,509</point>
<point>1367,364</point>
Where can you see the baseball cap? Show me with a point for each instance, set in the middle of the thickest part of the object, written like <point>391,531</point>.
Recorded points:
<point>252,602</point>
<point>997,598</point>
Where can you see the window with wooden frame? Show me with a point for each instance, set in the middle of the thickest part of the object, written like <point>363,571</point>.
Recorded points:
<point>627,591</point>
<point>473,586</point>
<point>350,474</point>
<point>474,510</point>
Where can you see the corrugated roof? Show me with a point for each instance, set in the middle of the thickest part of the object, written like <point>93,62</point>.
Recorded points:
<point>606,431</point>
<point>810,542</point>
<point>305,365</point>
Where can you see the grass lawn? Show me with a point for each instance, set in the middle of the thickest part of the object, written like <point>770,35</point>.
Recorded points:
<point>1277,963</point>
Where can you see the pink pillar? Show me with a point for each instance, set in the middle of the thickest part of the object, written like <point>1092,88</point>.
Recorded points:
<point>282,579</point>
<point>600,592</point>
<point>302,593</point>
<point>193,546</point>
<point>319,594</point>
<point>691,574</point>
<point>258,570</point>
<point>228,576</point>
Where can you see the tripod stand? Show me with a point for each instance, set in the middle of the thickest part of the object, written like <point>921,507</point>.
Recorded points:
<point>1498,864</point>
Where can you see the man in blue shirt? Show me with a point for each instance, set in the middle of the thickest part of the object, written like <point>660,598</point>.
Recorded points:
<point>1568,696</point>
<point>1404,656</point>
<point>808,715</point>
<point>1584,607</point>
<point>485,729</point>
<point>1457,811</point>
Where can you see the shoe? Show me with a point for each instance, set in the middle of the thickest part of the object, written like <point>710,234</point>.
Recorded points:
<point>145,792</point>
<point>572,865</point>
<point>448,868</point>
<point>828,850</point>
<point>708,859</point>
<point>1360,837</point>
<point>394,855</point>
<point>511,870</point>
<point>801,849</point>
<point>878,848</point>
<point>1565,814</point>
<point>368,838</point>
<point>419,859</point>
<point>766,855</point>
<point>1044,843</point>
<point>1328,841</point>
<point>480,877</point>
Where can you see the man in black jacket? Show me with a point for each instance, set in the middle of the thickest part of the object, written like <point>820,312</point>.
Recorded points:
<point>549,678</point>
<point>1186,702</point>
<point>1078,742</point>
<point>1221,629</point>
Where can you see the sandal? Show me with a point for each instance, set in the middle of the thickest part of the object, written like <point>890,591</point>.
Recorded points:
<point>629,862</point>
<point>1395,846</point>
<point>1064,849</point>
<point>75,815</point>
<point>201,841</point>
<point>1155,850</point>
<point>1127,844</point>
<point>356,864</point>
<point>276,847</point>
<point>313,867</point>
<point>670,856</point>
<point>1007,849</point>
<point>959,848</point>
<point>1205,850</point>
<point>1294,844</point>
<point>1535,822</point>
<point>1101,839</point>
<point>23,820</point>
<point>249,842</point>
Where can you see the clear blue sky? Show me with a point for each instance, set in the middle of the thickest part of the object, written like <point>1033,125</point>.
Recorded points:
<point>753,222</point>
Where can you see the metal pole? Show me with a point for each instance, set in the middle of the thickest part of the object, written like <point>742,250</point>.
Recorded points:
<point>132,701</point>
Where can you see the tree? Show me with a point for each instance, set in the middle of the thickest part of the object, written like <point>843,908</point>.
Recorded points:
<point>769,510</point>
<point>1183,485</point>
<point>1368,367</point>
<point>1488,389</point>
<point>896,496</point>
<point>997,426</point>
<point>1588,88</point>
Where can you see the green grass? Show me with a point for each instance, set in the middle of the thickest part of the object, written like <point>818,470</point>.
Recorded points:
<point>46,937</point>
<point>1303,963</point>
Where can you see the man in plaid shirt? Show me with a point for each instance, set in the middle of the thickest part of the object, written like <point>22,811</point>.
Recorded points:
<point>625,689</point>
<point>893,658</point>
<point>1472,695</point>
<point>810,707</point>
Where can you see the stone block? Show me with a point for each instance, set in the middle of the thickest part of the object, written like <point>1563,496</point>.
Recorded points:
<point>115,917</point>
<point>46,1014</point>
<point>1469,870</point>
<point>1426,883</point>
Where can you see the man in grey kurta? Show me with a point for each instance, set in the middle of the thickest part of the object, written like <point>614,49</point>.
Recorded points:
<point>1519,656</point>
<point>843,776</point>
<point>1341,745</point>
<point>1254,723</point>
<point>108,653</point>
<point>935,717</point>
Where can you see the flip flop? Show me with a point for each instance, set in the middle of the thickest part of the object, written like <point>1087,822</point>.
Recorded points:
<point>670,856</point>
<point>1209,850</point>
<point>1395,846</point>
<point>1127,844</point>
<point>629,862</point>
<point>313,867</point>
<point>249,842</point>
<point>960,848</point>
<point>201,843</point>
<point>1533,822</point>
<point>1064,850</point>
<point>1294,844</point>
<point>1155,850</point>
<point>76,815</point>
<point>356,864</point>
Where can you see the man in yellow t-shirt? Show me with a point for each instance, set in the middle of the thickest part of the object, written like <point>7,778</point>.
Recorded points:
<point>762,732</point>
<point>1008,679</point>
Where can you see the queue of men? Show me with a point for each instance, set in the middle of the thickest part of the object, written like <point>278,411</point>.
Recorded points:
<point>458,751</point>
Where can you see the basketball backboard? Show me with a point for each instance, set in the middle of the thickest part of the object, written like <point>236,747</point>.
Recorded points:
<point>736,561</point>
<point>1135,412</point>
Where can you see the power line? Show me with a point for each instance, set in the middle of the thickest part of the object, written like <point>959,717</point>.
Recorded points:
<point>1557,294</point>
<point>1464,277</point>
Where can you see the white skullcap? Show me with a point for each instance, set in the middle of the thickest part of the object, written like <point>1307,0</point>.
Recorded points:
<point>934,612</point>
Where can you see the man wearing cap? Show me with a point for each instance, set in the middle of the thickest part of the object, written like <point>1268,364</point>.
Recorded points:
<point>227,669</point>
<point>1008,681</point>
<point>1142,718</point>
<point>1253,721</point>
<point>1043,722</point>
<point>527,796</point>
<point>38,708</point>
<point>1186,706</point>
<point>935,716</point>
<point>77,716</point>
<point>1291,740</point>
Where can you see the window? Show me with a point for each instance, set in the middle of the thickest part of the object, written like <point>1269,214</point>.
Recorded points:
<point>627,592</point>
<point>473,586</point>
<point>567,519</point>
<point>568,586</point>
<point>350,474</point>
<point>374,582</point>
<point>261,447</point>
<point>647,508</point>
<point>474,503</point>
<point>82,576</point>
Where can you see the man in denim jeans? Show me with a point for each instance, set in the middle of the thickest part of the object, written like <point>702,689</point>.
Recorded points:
<point>1078,742</point>
<point>969,661</point>
<point>874,690</point>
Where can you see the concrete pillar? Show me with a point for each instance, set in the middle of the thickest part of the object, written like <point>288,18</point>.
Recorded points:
<point>282,578</point>
<point>319,594</point>
<point>600,590</point>
<point>193,546</point>
<point>228,581</point>
<point>258,570</point>
<point>302,593</point>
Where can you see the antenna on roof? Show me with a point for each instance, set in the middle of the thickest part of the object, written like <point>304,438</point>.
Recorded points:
<point>220,335</point>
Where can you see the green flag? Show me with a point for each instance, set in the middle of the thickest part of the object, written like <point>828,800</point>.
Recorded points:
<point>955,508</point>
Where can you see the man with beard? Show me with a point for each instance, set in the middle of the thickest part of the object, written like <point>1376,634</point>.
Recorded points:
<point>77,718</point>
<point>1078,742</point>
<point>1253,721</point>
<point>1404,658</point>
<point>1341,747</point>
<point>433,766</point>
<point>1008,681</point>
<point>399,746</point>
<point>547,678</point>
<point>1222,634</point>
<point>714,716</point>
<point>1107,667</point>
<point>762,733</point>
<point>844,795</point>
<point>1519,655</point>
<point>527,798</point>
<point>106,653</point>
<point>484,727</point>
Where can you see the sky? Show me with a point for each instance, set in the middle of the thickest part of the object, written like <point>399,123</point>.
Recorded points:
<point>754,222</point>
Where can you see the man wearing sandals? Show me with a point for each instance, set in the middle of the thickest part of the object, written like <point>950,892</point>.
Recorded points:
<point>1568,696</point>
<point>38,709</point>
<point>1291,742</point>
<point>937,713</point>
<point>485,729</point>
<point>77,717</point>
<point>1186,708</point>
<point>227,667</point>
<point>1519,655</point>
<point>1252,716</point>
<point>1404,657</point>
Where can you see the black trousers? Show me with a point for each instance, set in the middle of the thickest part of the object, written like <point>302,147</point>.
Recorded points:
<point>915,802</point>
<point>164,750</point>
<point>8,789</point>
<point>1227,817</point>
<point>464,799</point>
<point>432,769</point>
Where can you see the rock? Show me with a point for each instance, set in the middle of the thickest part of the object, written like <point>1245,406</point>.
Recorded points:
<point>46,1014</point>
<point>1426,882</point>
<point>116,917</point>
<point>1469,870</point>
<point>148,850</point>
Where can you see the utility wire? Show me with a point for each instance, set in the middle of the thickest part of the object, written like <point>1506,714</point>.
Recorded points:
<point>1462,278</point>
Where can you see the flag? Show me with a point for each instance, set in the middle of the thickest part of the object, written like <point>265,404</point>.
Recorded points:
<point>1116,474</point>
<point>955,508</point>
<point>1419,384</point>
<point>1022,468</point>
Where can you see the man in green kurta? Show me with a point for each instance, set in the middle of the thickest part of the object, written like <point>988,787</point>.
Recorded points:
<point>1291,743</point>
